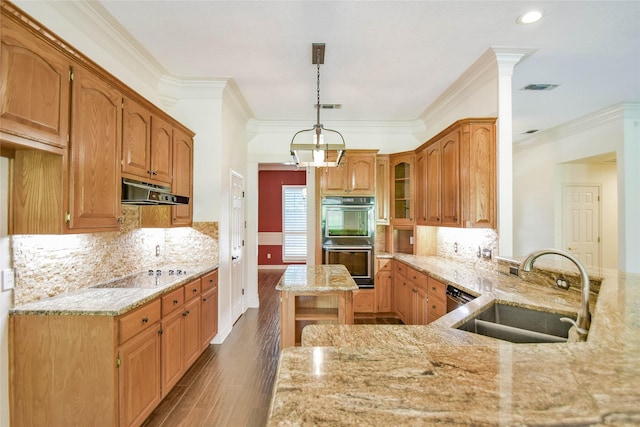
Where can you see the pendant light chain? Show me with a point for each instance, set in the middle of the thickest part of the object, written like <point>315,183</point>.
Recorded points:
<point>318,87</point>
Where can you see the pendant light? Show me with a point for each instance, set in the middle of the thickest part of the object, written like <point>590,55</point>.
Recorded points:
<point>316,152</point>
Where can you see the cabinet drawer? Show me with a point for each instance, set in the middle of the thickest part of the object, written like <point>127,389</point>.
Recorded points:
<point>209,281</point>
<point>138,320</point>
<point>417,277</point>
<point>192,289</point>
<point>436,308</point>
<point>400,268</point>
<point>172,301</point>
<point>437,289</point>
<point>384,264</point>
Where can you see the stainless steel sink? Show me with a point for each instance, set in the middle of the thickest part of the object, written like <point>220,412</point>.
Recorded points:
<point>518,324</point>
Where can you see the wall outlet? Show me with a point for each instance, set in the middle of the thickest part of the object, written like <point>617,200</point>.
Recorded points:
<point>8,279</point>
<point>513,270</point>
<point>157,250</point>
<point>268,256</point>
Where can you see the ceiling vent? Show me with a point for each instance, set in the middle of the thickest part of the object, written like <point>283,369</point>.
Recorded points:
<point>540,86</point>
<point>530,131</point>
<point>329,106</point>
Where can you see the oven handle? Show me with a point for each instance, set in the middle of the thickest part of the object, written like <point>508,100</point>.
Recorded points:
<point>347,248</point>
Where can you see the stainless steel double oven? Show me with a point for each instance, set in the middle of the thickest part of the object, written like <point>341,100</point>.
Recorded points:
<point>348,231</point>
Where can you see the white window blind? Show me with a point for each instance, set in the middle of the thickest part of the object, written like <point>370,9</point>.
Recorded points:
<point>294,223</point>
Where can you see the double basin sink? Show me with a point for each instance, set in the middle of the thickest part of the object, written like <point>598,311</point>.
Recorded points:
<point>518,324</point>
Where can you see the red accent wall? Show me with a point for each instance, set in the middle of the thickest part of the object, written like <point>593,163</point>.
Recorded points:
<point>270,208</point>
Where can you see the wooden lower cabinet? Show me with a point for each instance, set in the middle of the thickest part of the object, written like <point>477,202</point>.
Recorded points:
<point>437,294</point>
<point>101,370</point>
<point>139,376</point>
<point>383,287</point>
<point>363,300</point>
<point>209,314</point>
<point>410,294</point>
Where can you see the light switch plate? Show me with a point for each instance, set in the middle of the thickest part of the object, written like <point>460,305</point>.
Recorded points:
<point>8,279</point>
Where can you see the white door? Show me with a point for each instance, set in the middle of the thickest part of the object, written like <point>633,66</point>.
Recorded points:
<point>582,222</point>
<point>238,300</point>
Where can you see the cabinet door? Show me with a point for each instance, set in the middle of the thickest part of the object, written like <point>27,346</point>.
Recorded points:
<point>420,306</point>
<point>382,190</point>
<point>34,88</point>
<point>161,151</point>
<point>402,189</point>
<point>450,180</point>
<point>432,198</point>
<point>209,320</point>
<point>94,167</point>
<point>182,177</point>
<point>361,175</point>
<point>191,337</point>
<point>421,188</point>
<point>333,180</point>
<point>481,173</point>
<point>139,377</point>
<point>136,139</point>
<point>383,290</point>
<point>172,352</point>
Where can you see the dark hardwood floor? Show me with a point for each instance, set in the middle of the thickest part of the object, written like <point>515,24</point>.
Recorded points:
<point>231,383</point>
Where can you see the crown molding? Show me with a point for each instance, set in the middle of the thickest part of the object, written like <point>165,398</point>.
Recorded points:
<point>576,126</point>
<point>484,70</point>
<point>346,127</point>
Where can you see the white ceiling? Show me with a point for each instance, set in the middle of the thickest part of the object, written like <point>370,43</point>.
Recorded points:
<point>389,60</point>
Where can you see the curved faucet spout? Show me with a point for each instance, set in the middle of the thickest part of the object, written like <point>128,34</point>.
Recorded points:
<point>583,322</point>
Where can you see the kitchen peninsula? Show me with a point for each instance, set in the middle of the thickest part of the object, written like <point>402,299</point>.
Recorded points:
<point>314,293</point>
<point>436,374</point>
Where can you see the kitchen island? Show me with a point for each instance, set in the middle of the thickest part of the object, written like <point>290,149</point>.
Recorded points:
<point>436,374</point>
<point>314,294</point>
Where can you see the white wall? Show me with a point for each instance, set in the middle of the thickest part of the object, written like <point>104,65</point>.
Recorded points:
<point>537,179</point>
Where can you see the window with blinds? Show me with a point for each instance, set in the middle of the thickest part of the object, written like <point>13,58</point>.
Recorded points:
<point>294,223</point>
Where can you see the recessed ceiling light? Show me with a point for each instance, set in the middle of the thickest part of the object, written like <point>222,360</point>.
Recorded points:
<point>529,17</point>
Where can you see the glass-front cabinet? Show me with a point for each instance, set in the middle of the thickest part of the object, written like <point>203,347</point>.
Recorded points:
<point>402,188</point>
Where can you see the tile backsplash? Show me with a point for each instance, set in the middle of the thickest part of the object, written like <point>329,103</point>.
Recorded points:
<point>46,265</point>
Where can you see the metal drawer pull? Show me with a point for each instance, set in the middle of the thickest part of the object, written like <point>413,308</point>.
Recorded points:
<point>175,301</point>
<point>145,320</point>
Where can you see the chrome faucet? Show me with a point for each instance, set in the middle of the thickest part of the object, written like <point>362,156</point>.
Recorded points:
<point>583,321</point>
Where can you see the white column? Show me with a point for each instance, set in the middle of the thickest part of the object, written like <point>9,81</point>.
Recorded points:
<point>507,59</point>
<point>629,193</point>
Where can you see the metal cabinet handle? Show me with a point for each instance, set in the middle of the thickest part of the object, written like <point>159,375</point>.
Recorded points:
<point>145,320</point>
<point>175,301</point>
<point>233,258</point>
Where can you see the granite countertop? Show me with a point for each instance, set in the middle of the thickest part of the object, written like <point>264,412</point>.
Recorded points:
<point>316,278</point>
<point>435,374</point>
<point>111,298</point>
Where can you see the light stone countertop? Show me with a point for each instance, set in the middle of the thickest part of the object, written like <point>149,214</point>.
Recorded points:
<point>372,375</point>
<point>316,278</point>
<point>105,299</point>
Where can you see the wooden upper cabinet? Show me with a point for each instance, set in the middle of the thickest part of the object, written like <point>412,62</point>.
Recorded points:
<point>161,151</point>
<point>354,177</point>
<point>450,179</point>
<point>459,176</point>
<point>94,164</point>
<point>432,185</point>
<point>182,177</point>
<point>382,189</point>
<point>34,89</point>
<point>421,187</point>
<point>147,149</point>
<point>478,173</point>
<point>402,188</point>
